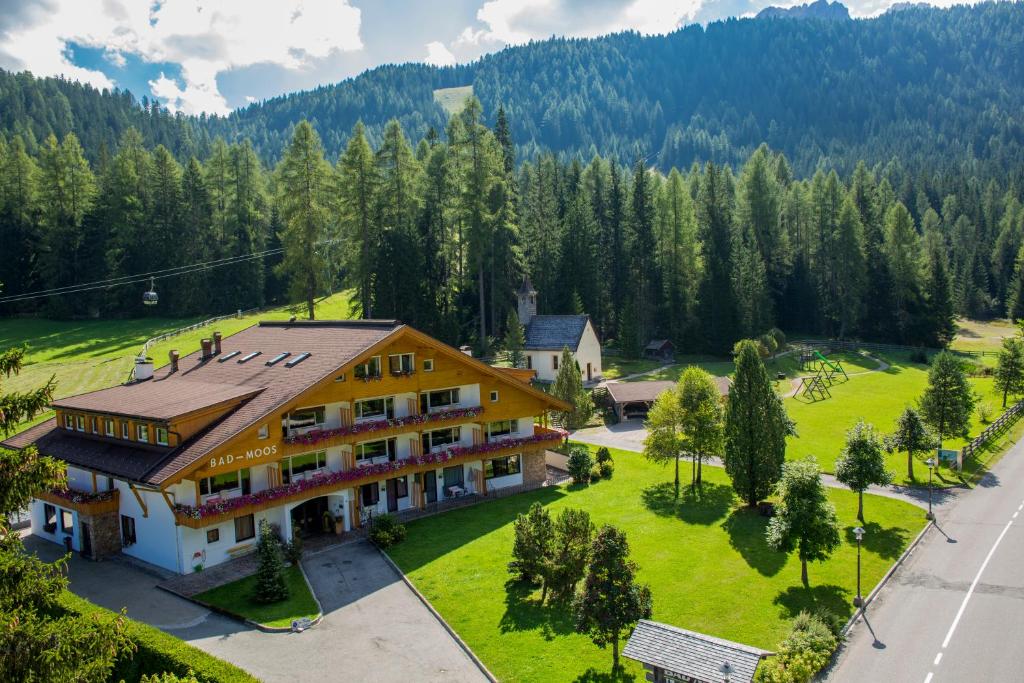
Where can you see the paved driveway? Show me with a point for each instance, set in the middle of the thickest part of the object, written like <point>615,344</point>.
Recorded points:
<point>374,627</point>
<point>628,435</point>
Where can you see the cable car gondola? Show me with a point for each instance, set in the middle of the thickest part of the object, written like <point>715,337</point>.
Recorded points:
<point>150,297</point>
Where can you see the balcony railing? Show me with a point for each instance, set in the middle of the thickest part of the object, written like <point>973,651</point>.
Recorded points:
<point>317,436</point>
<point>85,502</point>
<point>328,482</point>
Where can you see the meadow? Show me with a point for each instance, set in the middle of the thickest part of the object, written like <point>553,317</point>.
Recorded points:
<point>705,558</point>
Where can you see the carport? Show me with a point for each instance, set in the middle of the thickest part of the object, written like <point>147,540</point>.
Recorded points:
<point>632,400</point>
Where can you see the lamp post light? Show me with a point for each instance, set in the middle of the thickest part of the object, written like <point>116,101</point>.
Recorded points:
<point>931,468</point>
<point>859,533</point>
<point>726,671</point>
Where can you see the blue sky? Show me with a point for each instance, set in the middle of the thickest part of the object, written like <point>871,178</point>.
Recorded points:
<point>216,55</point>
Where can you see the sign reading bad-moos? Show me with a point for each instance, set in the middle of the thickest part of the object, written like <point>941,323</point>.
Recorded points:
<point>229,460</point>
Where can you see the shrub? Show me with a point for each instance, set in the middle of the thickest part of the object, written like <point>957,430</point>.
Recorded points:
<point>603,455</point>
<point>293,550</point>
<point>386,531</point>
<point>985,411</point>
<point>168,677</point>
<point>580,464</point>
<point>158,653</point>
<point>534,534</point>
<point>779,336</point>
<point>607,468</point>
<point>919,355</point>
<point>804,652</point>
<point>595,472</point>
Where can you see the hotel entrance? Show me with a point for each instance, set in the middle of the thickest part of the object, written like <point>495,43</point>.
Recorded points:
<point>312,518</point>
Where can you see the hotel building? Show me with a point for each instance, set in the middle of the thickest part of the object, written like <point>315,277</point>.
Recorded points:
<point>313,426</point>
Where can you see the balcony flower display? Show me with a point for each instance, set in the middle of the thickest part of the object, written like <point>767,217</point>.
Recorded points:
<point>315,436</point>
<point>76,496</point>
<point>213,509</point>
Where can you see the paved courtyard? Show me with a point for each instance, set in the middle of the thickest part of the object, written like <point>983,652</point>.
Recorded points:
<point>628,435</point>
<point>374,627</point>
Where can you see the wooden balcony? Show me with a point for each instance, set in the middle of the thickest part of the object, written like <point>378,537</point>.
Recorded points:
<point>332,482</point>
<point>83,502</point>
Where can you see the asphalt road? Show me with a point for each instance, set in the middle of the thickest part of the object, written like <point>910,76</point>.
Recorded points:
<point>955,610</point>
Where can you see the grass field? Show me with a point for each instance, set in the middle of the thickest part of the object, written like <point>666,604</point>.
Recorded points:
<point>705,559</point>
<point>981,335</point>
<point>85,355</point>
<point>452,99</point>
<point>234,598</point>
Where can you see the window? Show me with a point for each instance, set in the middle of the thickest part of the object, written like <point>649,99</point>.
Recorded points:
<point>494,397</point>
<point>49,518</point>
<point>501,467</point>
<point>142,433</point>
<point>213,535</point>
<point>245,528</point>
<point>264,432</point>
<point>249,356</point>
<point>298,359</point>
<point>401,487</point>
<point>369,369</point>
<point>67,521</point>
<point>108,427</point>
<point>370,494</point>
<point>307,462</point>
<point>79,423</point>
<point>502,428</point>
<point>438,399</point>
<point>94,424</point>
<point>340,378</point>
<point>375,407</point>
<point>69,421</point>
<point>401,363</point>
<point>554,362</point>
<point>440,438</point>
<point>304,418</point>
<point>428,365</point>
<point>127,530</point>
<point>228,481</point>
<point>124,430</point>
<point>376,449</point>
<point>278,358</point>
<point>228,356</point>
<point>161,436</point>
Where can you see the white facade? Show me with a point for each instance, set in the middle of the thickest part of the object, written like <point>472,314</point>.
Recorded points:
<point>587,355</point>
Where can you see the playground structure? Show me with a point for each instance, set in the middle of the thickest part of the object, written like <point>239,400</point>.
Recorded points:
<point>826,373</point>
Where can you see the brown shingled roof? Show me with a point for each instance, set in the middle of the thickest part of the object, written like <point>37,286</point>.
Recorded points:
<point>166,398</point>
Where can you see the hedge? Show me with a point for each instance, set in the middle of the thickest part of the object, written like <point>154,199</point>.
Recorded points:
<point>158,652</point>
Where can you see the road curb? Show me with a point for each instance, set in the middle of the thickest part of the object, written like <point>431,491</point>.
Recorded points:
<point>437,615</point>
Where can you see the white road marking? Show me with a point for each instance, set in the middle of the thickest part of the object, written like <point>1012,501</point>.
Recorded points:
<point>938,658</point>
<point>970,591</point>
<point>928,678</point>
<point>1015,514</point>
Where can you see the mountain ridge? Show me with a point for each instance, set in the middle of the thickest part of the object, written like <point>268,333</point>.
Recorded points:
<point>820,9</point>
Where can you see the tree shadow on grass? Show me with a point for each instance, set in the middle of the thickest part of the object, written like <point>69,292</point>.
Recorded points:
<point>796,599</point>
<point>704,505</point>
<point>592,675</point>
<point>886,543</point>
<point>523,612</point>
<point>746,529</point>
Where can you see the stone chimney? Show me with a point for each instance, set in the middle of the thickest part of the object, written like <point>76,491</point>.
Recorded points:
<point>173,356</point>
<point>527,296</point>
<point>216,343</point>
<point>207,345</point>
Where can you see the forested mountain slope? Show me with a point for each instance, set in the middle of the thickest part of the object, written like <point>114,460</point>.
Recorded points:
<point>940,89</point>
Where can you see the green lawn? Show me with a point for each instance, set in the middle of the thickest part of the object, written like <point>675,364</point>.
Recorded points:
<point>85,355</point>
<point>234,598</point>
<point>706,561</point>
<point>452,100</point>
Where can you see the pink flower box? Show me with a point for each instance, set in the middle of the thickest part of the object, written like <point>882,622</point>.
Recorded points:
<point>315,436</point>
<point>75,496</point>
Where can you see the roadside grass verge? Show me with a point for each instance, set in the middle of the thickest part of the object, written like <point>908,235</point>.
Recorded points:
<point>234,598</point>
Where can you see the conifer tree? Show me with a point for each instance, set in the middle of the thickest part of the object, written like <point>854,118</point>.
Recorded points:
<point>568,386</point>
<point>912,436</point>
<point>1009,373</point>
<point>304,183</point>
<point>357,194</point>
<point>270,582</point>
<point>534,534</point>
<point>948,402</point>
<point>756,427</point>
<point>717,308</point>
<point>514,341</point>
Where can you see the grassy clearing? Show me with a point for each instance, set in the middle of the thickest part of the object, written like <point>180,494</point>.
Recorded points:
<point>234,598</point>
<point>85,355</point>
<point>982,335</point>
<point>706,561</point>
<point>452,99</point>
<point>616,367</point>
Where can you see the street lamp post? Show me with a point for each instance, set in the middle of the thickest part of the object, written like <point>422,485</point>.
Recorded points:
<point>726,671</point>
<point>859,533</point>
<point>931,468</point>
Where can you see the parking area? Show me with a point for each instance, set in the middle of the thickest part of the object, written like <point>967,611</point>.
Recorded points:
<point>628,435</point>
<point>374,628</point>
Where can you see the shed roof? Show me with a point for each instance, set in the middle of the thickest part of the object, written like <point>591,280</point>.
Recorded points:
<point>657,344</point>
<point>555,332</point>
<point>630,392</point>
<point>690,653</point>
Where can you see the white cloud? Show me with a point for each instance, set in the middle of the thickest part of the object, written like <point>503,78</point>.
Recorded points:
<point>438,54</point>
<point>205,37</point>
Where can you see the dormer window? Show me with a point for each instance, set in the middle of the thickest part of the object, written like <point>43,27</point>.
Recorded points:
<point>108,427</point>
<point>161,436</point>
<point>142,433</point>
<point>124,430</point>
<point>368,370</point>
<point>79,423</point>
<point>69,421</point>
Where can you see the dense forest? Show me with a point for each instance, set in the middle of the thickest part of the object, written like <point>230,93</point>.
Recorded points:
<point>937,88</point>
<point>441,233</point>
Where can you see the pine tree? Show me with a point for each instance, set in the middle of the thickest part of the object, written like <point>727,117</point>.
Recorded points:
<point>611,601</point>
<point>270,582</point>
<point>531,549</point>
<point>716,305</point>
<point>912,436</point>
<point>645,279</point>
<point>948,402</point>
<point>862,463</point>
<point>568,387</point>
<point>804,520</point>
<point>570,551</point>
<point>304,196</point>
<point>756,427</point>
<point>1009,372</point>
<point>357,197</point>
<point>902,251</point>
<point>514,341</point>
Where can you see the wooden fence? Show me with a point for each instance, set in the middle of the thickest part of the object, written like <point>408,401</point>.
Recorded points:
<point>850,345</point>
<point>995,429</point>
